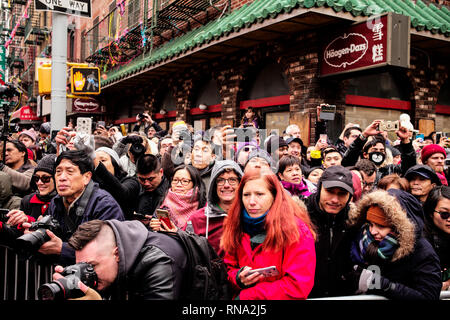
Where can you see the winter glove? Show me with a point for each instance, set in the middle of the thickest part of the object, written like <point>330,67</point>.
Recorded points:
<point>132,139</point>
<point>366,279</point>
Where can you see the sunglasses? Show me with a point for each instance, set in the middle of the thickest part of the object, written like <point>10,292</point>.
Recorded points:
<point>444,215</point>
<point>44,179</point>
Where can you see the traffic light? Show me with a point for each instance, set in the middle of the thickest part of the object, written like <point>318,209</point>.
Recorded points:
<point>85,80</point>
<point>45,79</point>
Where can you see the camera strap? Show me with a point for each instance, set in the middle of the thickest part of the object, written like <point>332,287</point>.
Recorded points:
<point>81,207</point>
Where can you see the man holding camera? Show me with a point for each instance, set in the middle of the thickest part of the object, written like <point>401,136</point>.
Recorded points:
<point>128,260</point>
<point>145,122</point>
<point>375,150</point>
<point>79,200</point>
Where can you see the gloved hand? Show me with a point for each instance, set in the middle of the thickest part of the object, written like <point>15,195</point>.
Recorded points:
<point>132,139</point>
<point>366,280</point>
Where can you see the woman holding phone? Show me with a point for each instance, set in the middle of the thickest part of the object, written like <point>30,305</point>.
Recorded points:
<point>186,195</point>
<point>265,228</point>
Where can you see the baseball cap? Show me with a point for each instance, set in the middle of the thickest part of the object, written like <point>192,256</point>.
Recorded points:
<point>424,171</point>
<point>293,139</point>
<point>337,176</point>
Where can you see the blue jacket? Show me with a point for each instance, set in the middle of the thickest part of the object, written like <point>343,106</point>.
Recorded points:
<point>101,205</point>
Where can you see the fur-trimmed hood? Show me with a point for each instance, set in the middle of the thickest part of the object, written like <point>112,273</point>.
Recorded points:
<point>395,214</point>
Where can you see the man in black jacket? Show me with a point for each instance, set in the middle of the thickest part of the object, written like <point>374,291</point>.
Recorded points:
<point>154,185</point>
<point>130,262</point>
<point>328,209</point>
<point>375,151</point>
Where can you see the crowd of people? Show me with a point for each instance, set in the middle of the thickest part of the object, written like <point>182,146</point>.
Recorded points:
<point>361,215</point>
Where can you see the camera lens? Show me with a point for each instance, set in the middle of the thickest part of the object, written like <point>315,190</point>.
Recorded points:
<point>51,291</point>
<point>31,242</point>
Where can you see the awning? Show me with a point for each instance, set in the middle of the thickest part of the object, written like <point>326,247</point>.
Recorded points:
<point>25,113</point>
<point>427,21</point>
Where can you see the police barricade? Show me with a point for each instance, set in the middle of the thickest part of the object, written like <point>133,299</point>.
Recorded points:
<point>21,278</point>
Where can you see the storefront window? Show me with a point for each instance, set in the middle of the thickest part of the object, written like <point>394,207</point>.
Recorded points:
<point>386,85</point>
<point>277,121</point>
<point>442,123</point>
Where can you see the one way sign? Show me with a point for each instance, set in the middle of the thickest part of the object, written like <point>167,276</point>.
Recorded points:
<point>72,7</point>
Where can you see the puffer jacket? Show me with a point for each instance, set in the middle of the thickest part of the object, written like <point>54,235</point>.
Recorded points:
<point>295,263</point>
<point>413,272</point>
<point>151,264</point>
<point>208,221</point>
<point>7,199</point>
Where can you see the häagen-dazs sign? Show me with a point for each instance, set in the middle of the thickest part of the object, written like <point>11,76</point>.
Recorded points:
<point>365,45</point>
<point>86,105</point>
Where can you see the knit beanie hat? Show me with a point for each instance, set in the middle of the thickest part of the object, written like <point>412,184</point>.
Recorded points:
<point>46,164</point>
<point>31,133</point>
<point>376,214</point>
<point>45,128</point>
<point>111,152</point>
<point>274,143</point>
<point>263,154</point>
<point>431,149</point>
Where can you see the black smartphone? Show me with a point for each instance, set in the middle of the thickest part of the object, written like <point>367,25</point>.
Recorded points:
<point>140,216</point>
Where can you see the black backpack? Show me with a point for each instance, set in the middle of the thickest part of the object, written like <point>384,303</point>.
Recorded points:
<point>206,274</point>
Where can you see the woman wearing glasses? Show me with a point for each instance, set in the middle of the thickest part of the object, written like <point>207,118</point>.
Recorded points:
<point>208,221</point>
<point>437,228</point>
<point>185,196</point>
<point>36,204</point>
<point>265,228</point>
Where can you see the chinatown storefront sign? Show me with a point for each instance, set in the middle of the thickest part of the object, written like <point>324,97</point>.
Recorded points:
<point>25,113</point>
<point>379,41</point>
<point>86,106</point>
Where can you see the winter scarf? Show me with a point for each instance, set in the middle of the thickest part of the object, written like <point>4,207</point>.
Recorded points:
<point>253,226</point>
<point>181,207</point>
<point>297,189</point>
<point>386,247</point>
<point>442,178</point>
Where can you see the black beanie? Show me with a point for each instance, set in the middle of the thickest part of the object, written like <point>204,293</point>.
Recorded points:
<point>46,164</point>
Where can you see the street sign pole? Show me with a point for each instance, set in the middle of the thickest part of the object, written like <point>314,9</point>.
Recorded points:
<point>59,71</point>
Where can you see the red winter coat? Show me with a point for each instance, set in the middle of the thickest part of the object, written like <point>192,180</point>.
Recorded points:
<point>295,263</point>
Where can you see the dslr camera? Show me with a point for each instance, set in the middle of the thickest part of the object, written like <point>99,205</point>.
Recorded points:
<point>67,287</point>
<point>29,243</point>
<point>8,90</point>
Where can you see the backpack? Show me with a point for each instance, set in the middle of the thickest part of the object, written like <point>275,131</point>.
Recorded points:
<point>206,273</point>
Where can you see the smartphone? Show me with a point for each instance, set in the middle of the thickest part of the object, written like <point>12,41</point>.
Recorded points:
<point>140,216</point>
<point>84,125</point>
<point>271,271</point>
<point>101,123</point>
<point>438,137</point>
<point>420,137</point>
<point>3,217</point>
<point>327,112</point>
<point>163,215</point>
<point>323,138</point>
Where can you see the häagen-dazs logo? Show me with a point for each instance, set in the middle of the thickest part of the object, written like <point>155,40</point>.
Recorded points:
<point>88,105</point>
<point>346,50</point>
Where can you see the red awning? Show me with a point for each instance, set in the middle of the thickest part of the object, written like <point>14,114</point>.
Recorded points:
<point>25,114</point>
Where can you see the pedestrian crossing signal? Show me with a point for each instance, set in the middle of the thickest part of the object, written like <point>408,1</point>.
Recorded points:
<point>84,80</point>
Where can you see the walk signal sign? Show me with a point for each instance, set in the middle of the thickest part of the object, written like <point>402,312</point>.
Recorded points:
<point>85,80</point>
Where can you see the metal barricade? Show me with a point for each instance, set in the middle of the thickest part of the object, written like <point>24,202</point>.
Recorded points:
<point>21,278</point>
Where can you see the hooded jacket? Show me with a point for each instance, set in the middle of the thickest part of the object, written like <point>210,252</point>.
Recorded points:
<point>413,272</point>
<point>208,221</point>
<point>151,264</point>
<point>7,199</point>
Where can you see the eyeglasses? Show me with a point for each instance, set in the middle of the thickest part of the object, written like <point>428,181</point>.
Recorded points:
<point>444,215</point>
<point>184,182</point>
<point>231,181</point>
<point>368,184</point>
<point>44,179</point>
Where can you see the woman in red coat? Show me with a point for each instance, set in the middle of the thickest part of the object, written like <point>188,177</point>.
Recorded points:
<point>265,228</point>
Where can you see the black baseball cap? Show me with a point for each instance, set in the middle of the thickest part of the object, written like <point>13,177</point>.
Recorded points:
<point>424,171</point>
<point>293,139</point>
<point>337,176</point>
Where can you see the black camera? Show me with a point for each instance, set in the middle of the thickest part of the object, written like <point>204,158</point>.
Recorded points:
<point>8,90</point>
<point>141,116</point>
<point>67,287</point>
<point>137,149</point>
<point>31,242</point>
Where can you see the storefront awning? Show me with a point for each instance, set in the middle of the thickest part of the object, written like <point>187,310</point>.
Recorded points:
<point>294,16</point>
<point>25,113</point>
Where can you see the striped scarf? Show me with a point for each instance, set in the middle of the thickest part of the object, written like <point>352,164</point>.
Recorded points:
<point>386,247</point>
<point>181,207</point>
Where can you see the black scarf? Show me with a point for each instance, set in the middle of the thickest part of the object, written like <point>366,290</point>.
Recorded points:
<point>46,198</point>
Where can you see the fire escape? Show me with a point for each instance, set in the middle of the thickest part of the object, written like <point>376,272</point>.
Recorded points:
<point>135,27</point>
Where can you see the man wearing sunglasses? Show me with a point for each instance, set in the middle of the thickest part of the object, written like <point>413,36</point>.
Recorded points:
<point>79,200</point>
<point>154,185</point>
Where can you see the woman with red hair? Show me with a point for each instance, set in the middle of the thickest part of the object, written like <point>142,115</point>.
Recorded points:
<point>266,228</point>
